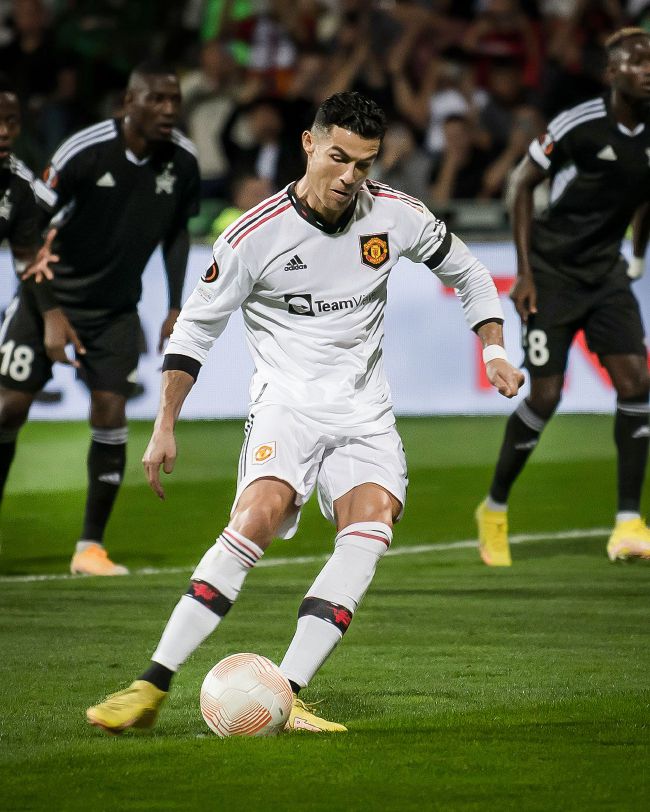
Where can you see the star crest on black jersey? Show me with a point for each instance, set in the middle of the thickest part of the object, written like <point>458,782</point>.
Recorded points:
<point>166,180</point>
<point>6,206</point>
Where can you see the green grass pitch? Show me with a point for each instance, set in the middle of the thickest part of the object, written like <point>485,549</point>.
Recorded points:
<point>464,688</point>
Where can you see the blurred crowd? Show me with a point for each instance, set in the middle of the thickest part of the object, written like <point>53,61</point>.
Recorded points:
<point>466,84</point>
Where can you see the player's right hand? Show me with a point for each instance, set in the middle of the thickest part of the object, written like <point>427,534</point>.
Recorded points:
<point>57,334</point>
<point>505,378</point>
<point>160,451</point>
<point>524,296</point>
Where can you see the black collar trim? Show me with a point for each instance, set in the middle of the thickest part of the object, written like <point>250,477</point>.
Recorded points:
<point>314,219</point>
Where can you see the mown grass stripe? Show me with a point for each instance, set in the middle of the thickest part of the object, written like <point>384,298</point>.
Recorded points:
<point>413,549</point>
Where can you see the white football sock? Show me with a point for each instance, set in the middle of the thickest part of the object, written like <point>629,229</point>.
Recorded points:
<point>227,563</point>
<point>188,626</point>
<point>627,515</point>
<point>313,642</point>
<point>215,585</point>
<point>327,609</point>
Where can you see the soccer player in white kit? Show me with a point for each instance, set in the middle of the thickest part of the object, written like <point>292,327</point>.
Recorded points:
<point>309,267</point>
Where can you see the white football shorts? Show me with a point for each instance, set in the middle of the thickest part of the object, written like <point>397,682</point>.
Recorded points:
<point>287,445</point>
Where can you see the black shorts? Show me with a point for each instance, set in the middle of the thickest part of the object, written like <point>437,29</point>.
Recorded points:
<point>608,313</point>
<point>110,362</point>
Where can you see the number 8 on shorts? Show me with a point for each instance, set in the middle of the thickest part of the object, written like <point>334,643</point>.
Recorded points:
<point>536,348</point>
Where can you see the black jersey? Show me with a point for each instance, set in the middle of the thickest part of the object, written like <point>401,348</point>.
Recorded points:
<point>112,210</point>
<point>599,174</point>
<point>19,211</point>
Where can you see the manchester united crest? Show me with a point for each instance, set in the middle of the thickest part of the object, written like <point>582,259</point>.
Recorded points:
<point>374,250</point>
<point>263,453</point>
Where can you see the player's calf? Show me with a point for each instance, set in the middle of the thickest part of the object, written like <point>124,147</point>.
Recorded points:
<point>327,610</point>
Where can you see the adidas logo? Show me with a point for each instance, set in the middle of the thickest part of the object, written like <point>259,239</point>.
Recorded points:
<point>110,479</point>
<point>607,154</point>
<point>295,264</point>
<point>526,446</point>
<point>106,180</point>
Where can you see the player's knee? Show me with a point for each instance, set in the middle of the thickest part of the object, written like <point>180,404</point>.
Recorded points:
<point>634,387</point>
<point>259,521</point>
<point>545,401</point>
<point>367,503</point>
<point>107,410</point>
<point>262,508</point>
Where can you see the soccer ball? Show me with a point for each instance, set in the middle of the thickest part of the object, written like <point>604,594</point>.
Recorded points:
<point>245,695</point>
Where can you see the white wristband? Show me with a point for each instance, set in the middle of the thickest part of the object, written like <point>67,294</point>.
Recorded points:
<point>493,351</point>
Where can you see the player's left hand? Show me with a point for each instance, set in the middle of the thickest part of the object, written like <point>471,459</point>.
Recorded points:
<point>161,450</point>
<point>504,377</point>
<point>40,268</point>
<point>167,327</point>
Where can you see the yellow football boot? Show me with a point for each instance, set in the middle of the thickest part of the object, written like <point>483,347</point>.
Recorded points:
<point>94,560</point>
<point>136,706</point>
<point>630,539</point>
<point>302,717</point>
<point>493,536</point>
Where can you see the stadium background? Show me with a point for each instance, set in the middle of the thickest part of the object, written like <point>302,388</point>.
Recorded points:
<point>466,86</point>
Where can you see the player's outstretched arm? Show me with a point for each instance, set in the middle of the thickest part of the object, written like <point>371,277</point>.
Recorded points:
<point>525,178</point>
<point>161,449</point>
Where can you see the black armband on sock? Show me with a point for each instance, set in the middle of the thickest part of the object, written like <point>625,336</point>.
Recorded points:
<point>183,363</point>
<point>210,597</point>
<point>333,613</point>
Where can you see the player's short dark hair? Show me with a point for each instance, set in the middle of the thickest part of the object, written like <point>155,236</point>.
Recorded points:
<point>351,111</point>
<point>618,39</point>
<point>152,67</point>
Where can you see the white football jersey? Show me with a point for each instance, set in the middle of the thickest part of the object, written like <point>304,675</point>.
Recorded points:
<point>313,297</point>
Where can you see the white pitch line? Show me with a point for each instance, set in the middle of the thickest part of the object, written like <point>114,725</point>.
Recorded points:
<point>415,549</point>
